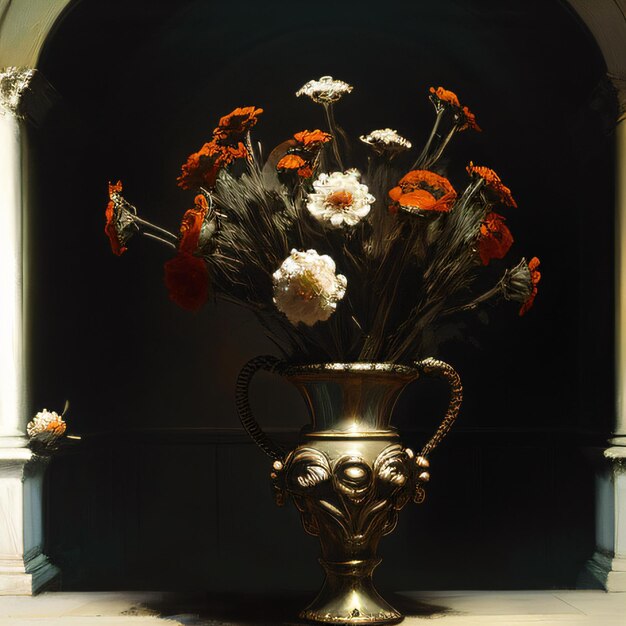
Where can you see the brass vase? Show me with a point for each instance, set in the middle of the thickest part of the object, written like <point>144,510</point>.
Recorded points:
<point>350,474</point>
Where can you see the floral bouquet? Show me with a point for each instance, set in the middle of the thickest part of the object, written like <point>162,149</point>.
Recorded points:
<point>337,262</point>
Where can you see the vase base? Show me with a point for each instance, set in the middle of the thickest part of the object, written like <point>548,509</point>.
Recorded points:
<point>348,596</point>
<point>383,617</point>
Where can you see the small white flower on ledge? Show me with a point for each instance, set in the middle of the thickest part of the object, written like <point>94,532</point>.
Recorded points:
<point>386,140</point>
<point>339,198</point>
<point>306,288</point>
<point>326,90</point>
<point>46,426</point>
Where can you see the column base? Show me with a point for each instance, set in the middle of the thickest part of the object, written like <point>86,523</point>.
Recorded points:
<point>608,572</point>
<point>24,569</point>
<point>607,567</point>
<point>17,579</point>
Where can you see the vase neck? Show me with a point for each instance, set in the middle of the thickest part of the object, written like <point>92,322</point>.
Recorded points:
<point>347,401</point>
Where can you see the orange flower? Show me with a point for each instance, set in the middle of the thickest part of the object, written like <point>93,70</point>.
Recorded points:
<point>111,228</point>
<point>192,225</point>
<point>312,139</point>
<point>495,238</point>
<point>535,277</point>
<point>417,178</point>
<point>291,162</point>
<point>493,182</point>
<point>470,121</point>
<point>449,98</point>
<point>422,190</point>
<point>187,281</point>
<point>202,167</point>
<point>446,96</point>
<point>115,188</point>
<point>420,199</point>
<point>236,122</point>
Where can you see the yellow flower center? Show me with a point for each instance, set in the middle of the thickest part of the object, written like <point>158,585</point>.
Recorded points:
<point>308,286</point>
<point>339,200</point>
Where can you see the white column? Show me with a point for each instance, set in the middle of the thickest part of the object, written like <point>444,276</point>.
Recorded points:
<point>24,569</point>
<point>12,409</point>
<point>619,431</point>
<point>608,564</point>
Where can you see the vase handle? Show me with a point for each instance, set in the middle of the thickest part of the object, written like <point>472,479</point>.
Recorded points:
<point>242,401</point>
<point>435,367</point>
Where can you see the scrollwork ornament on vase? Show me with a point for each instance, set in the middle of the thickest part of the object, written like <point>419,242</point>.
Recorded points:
<point>323,240</point>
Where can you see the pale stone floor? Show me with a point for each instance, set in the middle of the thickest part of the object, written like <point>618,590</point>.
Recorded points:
<point>442,608</point>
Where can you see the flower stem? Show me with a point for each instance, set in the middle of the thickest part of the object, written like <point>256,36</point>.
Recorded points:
<point>332,126</point>
<point>442,147</point>
<point>156,238</point>
<point>470,306</point>
<point>468,194</point>
<point>249,147</point>
<point>425,150</point>
<point>154,226</point>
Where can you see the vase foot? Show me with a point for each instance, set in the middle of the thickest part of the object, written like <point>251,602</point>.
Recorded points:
<point>348,596</point>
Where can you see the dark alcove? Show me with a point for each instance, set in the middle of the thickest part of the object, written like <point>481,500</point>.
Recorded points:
<point>165,491</point>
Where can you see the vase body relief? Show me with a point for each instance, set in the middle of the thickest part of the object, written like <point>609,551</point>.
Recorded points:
<point>350,475</point>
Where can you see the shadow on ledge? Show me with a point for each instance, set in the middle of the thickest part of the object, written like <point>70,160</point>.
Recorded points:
<point>260,609</point>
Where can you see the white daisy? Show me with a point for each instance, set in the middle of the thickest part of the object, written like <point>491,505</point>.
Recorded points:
<point>326,90</point>
<point>46,426</point>
<point>306,288</point>
<point>386,140</point>
<point>339,198</point>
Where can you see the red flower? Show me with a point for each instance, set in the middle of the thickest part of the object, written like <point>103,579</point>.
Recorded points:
<point>202,167</point>
<point>422,190</point>
<point>493,182</point>
<point>191,226</point>
<point>236,123</point>
<point>187,281</point>
<point>495,238</point>
<point>110,228</point>
<point>535,277</point>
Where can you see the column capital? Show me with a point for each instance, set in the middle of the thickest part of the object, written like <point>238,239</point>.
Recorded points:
<point>14,84</point>
<point>25,93</point>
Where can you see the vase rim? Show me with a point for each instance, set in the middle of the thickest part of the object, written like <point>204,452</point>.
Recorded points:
<point>355,367</point>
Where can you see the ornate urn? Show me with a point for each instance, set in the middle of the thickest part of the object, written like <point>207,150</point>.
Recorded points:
<point>350,474</point>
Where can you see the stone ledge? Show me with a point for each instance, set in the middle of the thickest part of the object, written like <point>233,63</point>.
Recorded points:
<point>521,608</point>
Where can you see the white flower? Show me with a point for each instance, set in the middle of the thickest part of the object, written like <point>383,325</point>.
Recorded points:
<point>306,288</point>
<point>46,426</point>
<point>386,140</point>
<point>339,198</point>
<point>326,90</point>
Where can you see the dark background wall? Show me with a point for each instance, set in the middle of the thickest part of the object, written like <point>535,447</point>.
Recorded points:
<point>165,491</point>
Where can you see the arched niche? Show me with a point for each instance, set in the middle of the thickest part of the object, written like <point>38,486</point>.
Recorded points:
<point>138,86</point>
